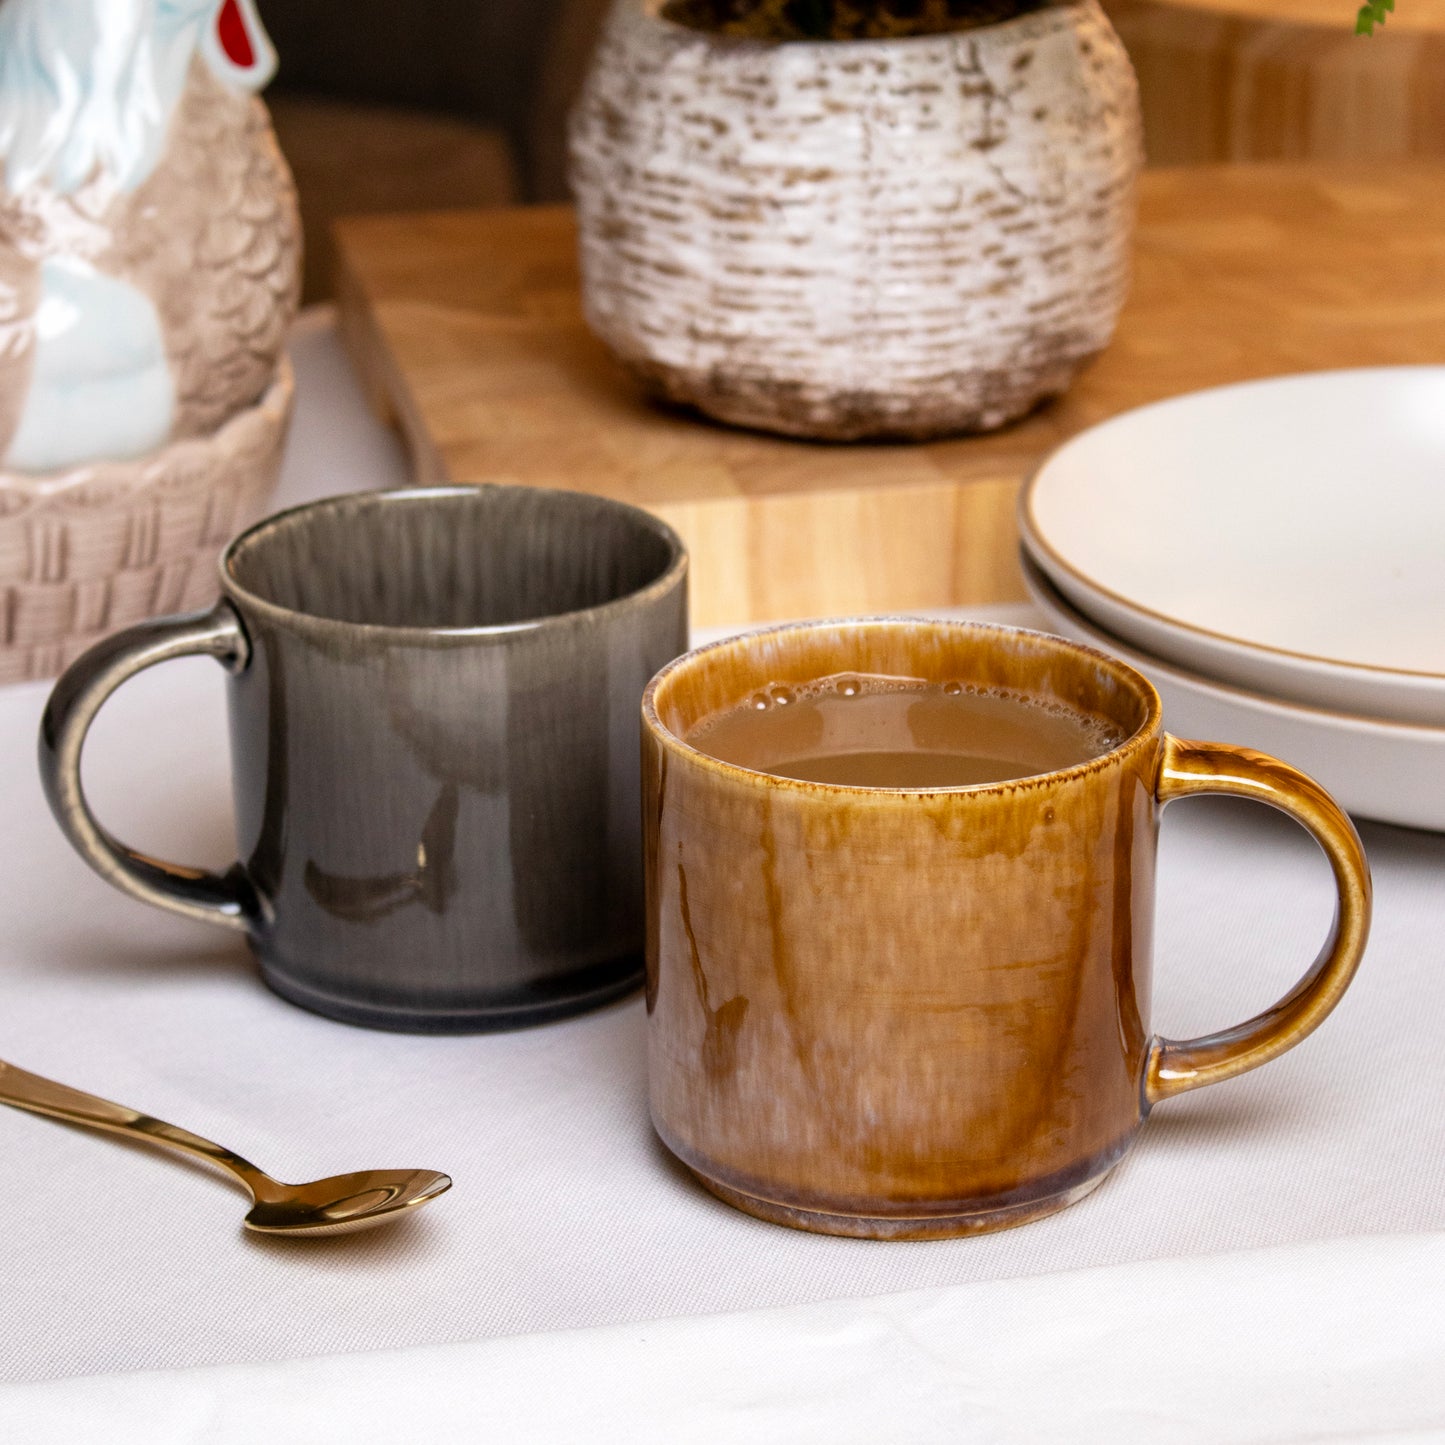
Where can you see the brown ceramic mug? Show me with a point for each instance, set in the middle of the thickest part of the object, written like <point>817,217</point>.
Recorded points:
<point>904,1014</point>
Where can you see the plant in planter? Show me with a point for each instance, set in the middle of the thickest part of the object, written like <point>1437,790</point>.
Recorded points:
<point>843,219</point>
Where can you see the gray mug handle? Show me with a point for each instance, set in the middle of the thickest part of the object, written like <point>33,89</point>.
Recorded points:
<point>78,696</point>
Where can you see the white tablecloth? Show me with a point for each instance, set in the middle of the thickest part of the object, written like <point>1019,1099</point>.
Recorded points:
<point>566,1212</point>
<point>1337,1342</point>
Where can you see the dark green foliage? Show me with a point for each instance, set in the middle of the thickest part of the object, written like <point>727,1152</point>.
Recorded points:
<point>1372,13</point>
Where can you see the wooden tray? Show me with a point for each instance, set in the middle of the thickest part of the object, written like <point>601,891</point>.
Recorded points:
<point>466,329</point>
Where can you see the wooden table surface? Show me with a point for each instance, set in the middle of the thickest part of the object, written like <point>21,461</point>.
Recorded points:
<point>1285,80</point>
<point>467,330</point>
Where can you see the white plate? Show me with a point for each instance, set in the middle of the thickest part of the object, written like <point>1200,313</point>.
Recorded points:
<point>1287,536</point>
<point>1383,770</point>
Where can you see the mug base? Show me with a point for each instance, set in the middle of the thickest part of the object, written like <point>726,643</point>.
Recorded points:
<point>597,987</point>
<point>942,1226</point>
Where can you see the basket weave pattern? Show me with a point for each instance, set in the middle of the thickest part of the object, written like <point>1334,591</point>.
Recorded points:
<point>100,547</point>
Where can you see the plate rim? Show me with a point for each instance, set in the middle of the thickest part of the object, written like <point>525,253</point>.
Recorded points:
<point>1139,659</point>
<point>1416,680</point>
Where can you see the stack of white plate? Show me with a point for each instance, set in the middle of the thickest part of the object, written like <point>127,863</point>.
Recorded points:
<point>1272,557</point>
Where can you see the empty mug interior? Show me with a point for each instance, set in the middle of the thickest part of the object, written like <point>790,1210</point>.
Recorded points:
<point>1028,664</point>
<point>452,558</point>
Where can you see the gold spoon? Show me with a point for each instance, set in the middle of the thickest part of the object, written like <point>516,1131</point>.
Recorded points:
<point>329,1206</point>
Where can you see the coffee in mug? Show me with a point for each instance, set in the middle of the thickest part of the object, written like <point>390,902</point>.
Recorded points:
<point>868,731</point>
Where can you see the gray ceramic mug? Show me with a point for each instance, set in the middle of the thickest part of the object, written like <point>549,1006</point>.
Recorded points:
<point>434,702</point>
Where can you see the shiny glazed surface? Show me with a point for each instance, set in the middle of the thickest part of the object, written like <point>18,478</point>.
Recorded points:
<point>436,787</point>
<point>904,1014</point>
<point>434,728</point>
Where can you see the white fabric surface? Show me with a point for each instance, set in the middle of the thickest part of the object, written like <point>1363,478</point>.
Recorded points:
<point>566,1212</point>
<point>1314,1342</point>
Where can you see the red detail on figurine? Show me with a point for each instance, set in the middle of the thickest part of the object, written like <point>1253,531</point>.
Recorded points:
<point>235,38</point>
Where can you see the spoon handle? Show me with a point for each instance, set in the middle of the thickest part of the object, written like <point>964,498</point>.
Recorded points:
<point>59,1101</point>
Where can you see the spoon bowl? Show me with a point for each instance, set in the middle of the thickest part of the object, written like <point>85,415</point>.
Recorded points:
<point>345,1202</point>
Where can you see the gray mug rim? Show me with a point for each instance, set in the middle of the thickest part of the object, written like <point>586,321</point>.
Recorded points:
<point>252,602</point>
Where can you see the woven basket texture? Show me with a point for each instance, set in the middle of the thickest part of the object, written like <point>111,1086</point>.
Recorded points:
<point>91,550</point>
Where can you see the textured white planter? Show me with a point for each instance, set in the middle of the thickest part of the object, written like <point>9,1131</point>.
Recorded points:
<point>868,238</point>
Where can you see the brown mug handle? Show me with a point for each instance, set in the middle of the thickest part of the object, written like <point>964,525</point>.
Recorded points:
<point>1188,768</point>
<point>226,898</point>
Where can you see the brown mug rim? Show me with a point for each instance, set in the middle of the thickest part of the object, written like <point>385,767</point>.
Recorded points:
<point>1122,751</point>
<point>296,619</point>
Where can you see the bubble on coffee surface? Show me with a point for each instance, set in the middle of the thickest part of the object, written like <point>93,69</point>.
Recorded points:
<point>875,730</point>
<point>843,684</point>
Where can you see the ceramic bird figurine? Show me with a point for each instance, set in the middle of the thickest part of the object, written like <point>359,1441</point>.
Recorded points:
<point>149,237</point>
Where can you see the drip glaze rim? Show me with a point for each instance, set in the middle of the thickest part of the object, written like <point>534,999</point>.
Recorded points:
<point>1123,751</point>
